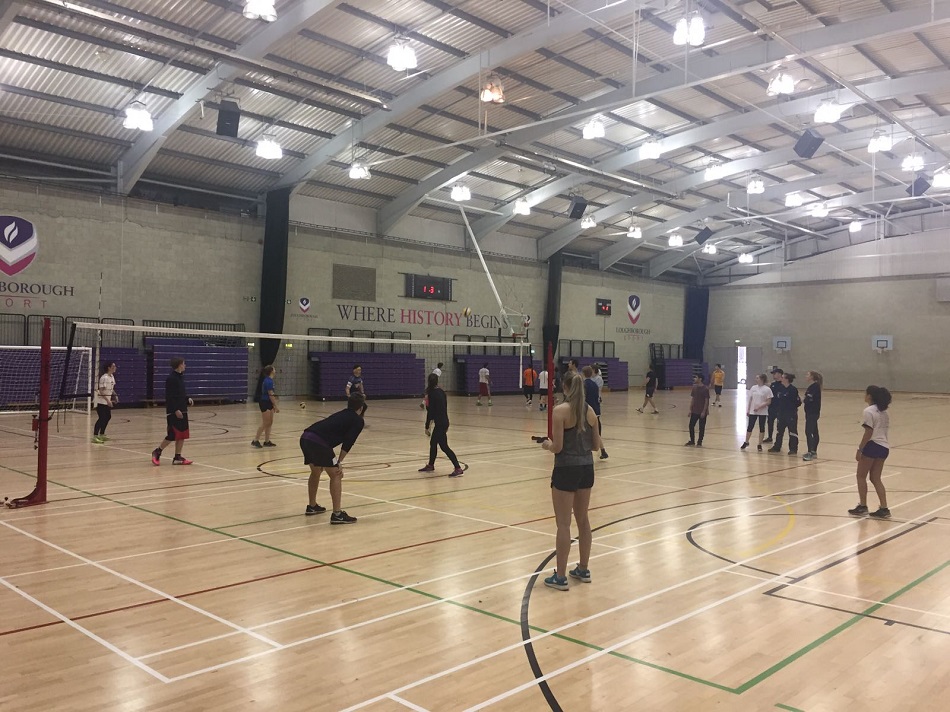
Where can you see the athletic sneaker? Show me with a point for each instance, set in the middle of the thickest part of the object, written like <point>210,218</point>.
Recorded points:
<point>792,452</point>
<point>858,511</point>
<point>97,440</point>
<point>315,509</point>
<point>558,582</point>
<point>699,444</point>
<point>478,403</point>
<point>656,412</point>
<point>427,468</point>
<point>882,513</point>
<point>691,443</point>
<point>767,440</point>
<point>580,574</point>
<point>256,443</point>
<point>342,517</point>
<point>156,455</point>
<point>268,443</point>
<point>457,472</point>
<point>808,456</point>
<point>639,410</point>
<point>719,404</point>
<point>179,460</point>
<point>489,401</point>
<point>103,438</point>
<point>775,449</point>
<point>743,446</point>
<point>759,448</point>
<point>603,454</point>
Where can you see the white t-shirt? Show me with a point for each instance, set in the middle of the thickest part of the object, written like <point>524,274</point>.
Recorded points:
<point>106,389</point>
<point>599,380</point>
<point>759,400</point>
<point>483,375</point>
<point>437,371</point>
<point>543,381</point>
<point>879,421</point>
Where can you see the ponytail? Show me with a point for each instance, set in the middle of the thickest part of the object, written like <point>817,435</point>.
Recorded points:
<point>818,378</point>
<point>574,391</point>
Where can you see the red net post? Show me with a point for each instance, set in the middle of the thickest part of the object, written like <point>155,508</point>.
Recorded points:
<point>41,425</point>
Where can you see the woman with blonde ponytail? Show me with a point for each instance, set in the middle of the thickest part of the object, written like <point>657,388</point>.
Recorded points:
<point>574,437</point>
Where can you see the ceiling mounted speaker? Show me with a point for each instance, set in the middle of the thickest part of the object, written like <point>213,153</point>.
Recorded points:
<point>808,143</point>
<point>578,206</point>
<point>703,235</point>
<point>918,187</point>
<point>229,116</point>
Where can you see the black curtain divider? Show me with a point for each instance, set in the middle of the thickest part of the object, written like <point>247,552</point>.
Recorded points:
<point>694,322</point>
<point>551,328</point>
<point>273,299</point>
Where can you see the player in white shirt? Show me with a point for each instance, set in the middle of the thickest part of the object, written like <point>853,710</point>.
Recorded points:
<point>105,398</point>
<point>873,451</point>
<point>543,389</point>
<point>760,395</point>
<point>484,384</point>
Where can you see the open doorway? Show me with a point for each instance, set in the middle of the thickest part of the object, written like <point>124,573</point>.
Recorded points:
<point>741,368</point>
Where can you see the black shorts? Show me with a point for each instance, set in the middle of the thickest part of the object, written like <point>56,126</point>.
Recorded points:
<point>718,390</point>
<point>570,478</point>
<point>752,421</point>
<point>266,405</point>
<point>875,451</point>
<point>650,391</point>
<point>528,390</point>
<point>177,428</point>
<point>317,454</point>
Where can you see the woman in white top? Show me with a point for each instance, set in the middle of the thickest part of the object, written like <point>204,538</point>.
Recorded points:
<point>543,389</point>
<point>105,398</point>
<point>760,395</point>
<point>873,451</point>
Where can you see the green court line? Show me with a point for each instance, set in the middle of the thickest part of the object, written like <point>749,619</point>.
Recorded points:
<point>749,684</point>
<point>790,709</point>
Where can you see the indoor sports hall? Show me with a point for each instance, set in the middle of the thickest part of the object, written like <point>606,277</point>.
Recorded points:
<point>451,355</point>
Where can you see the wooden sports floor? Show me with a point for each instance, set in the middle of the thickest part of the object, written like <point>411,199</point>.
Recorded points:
<point>721,579</point>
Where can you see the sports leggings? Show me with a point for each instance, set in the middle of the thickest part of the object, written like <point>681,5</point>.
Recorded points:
<point>440,439</point>
<point>105,415</point>
<point>811,432</point>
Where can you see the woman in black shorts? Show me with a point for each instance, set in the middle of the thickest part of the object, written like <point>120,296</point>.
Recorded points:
<point>574,437</point>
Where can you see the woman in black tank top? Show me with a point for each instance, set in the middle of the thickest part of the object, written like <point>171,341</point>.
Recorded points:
<point>574,437</point>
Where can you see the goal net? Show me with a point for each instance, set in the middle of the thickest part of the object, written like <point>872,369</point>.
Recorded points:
<point>225,366</point>
<point>71,376</point>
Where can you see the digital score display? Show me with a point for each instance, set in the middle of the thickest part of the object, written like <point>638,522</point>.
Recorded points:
<point>427,287</point>
<point>602,307</point>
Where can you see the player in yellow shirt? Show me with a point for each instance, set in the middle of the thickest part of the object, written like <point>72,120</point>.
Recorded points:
<point>718,376</point>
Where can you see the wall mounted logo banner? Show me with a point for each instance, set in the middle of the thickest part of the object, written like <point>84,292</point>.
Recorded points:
<point>633,309</point>
<point>304,304</point>
<point>18,244</point>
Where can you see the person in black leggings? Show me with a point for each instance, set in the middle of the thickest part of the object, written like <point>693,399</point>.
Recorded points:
<point>812,403</point>
<point>437,413</point>
<point>104,400</point>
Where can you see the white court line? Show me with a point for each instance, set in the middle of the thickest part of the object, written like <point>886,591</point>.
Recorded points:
<point>145,586</point>
<point>407,703</point>
<point>638,636</point>
<point>85,631</point>
<point>485,588</point>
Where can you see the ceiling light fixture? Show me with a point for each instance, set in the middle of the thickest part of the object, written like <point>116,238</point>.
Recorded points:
<point>268,148</point>
<point>588,222</point>
<point>594,129</point>
<point>461,193</point>
<point>401,56</point>
<point>912,163</point>
<point>714,171</point>
<point>880,141</point>
<point>709,249</point>
<point>746,259</point>
<point>260,10</point>
<point>794,200</point>
<point>942,179</point>
<point>676,240</point>
<point>818,210</point>
<point>854,226</point>
<point>781,83</point>
<point>755,187</point>
<point>137,117</point>
<point>522,207</point>
<point>690,31</point>
<point>493,92</point>
<point>650,150</point>
<point>634,232</point>
<point>829,112</point>
<point>359,171</point>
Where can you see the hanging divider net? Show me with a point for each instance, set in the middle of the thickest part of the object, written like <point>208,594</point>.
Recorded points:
<point>20,378</point>
<point>225,366</point>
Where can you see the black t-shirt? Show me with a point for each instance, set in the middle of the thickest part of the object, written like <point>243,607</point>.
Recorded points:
<point>813,399</point>
<point>777,389</point>
<point>651,380</point>
<point>175,396</point>
<point>341,428</point>
<point>438,411</point>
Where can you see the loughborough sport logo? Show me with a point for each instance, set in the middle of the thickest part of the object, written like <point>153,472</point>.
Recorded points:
<point>633,309</point>
<point>18,244</point>
<point>304,304</point>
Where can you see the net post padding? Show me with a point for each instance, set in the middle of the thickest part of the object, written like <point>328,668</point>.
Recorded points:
<point>40,425</point>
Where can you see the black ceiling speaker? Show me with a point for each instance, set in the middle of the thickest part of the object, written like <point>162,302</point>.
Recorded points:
<point>703,235</point>
<point>229,116</point>
<point>808,143</point>
<point>578,206</point>
<point>918,187</point>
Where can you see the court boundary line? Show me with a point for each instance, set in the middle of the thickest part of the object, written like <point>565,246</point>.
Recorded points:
<point>407,703</point>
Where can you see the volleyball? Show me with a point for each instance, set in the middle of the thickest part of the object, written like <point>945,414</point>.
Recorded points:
<point>303,406</point>
<point>467,311</point>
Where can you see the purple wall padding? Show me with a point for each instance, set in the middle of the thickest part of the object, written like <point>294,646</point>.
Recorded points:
<point>131,376</point>
<point>505,373</point>
<point>211,372</point>
<point>383,374</point>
